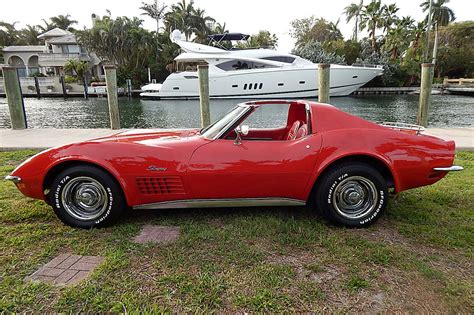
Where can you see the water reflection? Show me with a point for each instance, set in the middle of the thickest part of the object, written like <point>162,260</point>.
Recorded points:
<point>445,111</point>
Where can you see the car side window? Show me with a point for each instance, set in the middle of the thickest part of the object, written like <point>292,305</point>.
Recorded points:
<point>269,117</point>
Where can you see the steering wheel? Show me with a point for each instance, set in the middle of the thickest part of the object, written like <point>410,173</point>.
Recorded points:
<point>293,130</point>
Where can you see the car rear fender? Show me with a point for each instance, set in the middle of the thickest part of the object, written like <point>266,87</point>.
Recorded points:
<point>337,147</point>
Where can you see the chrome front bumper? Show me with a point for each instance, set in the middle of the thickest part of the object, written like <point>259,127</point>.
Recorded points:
<point>14,179</point>
<point>453,168</point>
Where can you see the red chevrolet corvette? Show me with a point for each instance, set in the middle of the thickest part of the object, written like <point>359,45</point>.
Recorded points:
<point>343,165</point>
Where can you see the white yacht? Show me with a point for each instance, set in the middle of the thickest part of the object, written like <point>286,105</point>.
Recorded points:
<point>252,73</point>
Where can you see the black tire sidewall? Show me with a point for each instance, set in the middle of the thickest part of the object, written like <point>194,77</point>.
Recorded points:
<point>333,177</point>
<point>115,198</point>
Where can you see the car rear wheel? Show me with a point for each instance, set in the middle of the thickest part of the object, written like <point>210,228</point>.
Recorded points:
<point>352,194</point>
<point>86,197</point>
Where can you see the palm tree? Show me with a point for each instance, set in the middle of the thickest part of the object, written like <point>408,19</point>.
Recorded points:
<point>263,39</point>
<point>63,22</point>
<point>189,20</point>
<point>29,35</point>
<point>77,67</point>
<point>398,37</point>
<point>372,18</point>
<point>47,26</point>
<point>202,25</point>
<point>334,32</point>
<point>122,41</point>
<point>8,34</point>
<point>181,17</point>
<point>389,16</point>
<point>353,11</point>
<point>220,28</point>
<point>417,32</point>
<point>154,11</point>
<point>441,14</point>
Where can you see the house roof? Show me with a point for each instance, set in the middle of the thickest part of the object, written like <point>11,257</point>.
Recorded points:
<point>67,39</point>
<point>55,32</point>
<point>23,48</point>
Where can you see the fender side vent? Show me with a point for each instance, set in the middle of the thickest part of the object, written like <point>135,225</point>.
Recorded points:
<point>160,185</point>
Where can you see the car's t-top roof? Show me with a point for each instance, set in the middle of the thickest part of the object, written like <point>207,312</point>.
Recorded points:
<point>324,116</point>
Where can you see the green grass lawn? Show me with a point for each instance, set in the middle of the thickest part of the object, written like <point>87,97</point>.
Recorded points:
<point>418,257</point>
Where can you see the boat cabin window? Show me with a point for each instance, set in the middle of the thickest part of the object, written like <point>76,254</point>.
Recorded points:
<point>189,66</point>
<point>284,59</point>
<point>233,65</point>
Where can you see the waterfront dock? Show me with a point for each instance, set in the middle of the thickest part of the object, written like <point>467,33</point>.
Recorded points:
<point>47,138</point>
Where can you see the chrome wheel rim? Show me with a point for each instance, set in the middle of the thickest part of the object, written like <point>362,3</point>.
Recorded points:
<point>355,197</point>
<point>84,198</point>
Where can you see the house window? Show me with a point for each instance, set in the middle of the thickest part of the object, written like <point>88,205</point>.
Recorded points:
<point>70,49</point>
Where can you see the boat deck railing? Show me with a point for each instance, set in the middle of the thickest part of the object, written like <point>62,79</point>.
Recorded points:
<point>367,65</point>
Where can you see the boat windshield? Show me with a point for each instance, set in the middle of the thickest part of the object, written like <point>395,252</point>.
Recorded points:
<point>216,128</point>
<point>242,65</point>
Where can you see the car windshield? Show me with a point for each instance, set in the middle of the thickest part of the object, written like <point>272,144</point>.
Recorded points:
<point>219,125</point>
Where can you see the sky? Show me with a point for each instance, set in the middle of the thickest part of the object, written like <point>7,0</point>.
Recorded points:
<point>245,16</point>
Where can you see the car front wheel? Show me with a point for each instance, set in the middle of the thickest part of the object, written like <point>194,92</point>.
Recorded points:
<point>86,197</point>
<point>351,194</point>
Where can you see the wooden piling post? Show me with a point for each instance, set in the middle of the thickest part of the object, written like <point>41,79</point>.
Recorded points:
<point>37,87</point>
<point>14,98</point>
<point>129,88</point>
<point>203,74</point>
<point>112,97</point>
<point>427,71</point>
<point>84,85</point>
<point>324,78</point>
<point>63,85</point>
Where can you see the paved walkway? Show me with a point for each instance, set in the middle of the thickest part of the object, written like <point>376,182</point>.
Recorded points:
<point>464,137</point>
<point>46,138</point>
<point>66,269</point>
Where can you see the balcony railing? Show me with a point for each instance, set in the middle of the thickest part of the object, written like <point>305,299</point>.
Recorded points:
<point>47,81</point>
<point>51,59</point>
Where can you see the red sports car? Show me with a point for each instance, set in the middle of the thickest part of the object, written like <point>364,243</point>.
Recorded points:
<point>343,165</point>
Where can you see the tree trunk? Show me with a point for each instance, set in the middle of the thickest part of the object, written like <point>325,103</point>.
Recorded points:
<point>157,18</point>
<point>374,42</point>
<point>394,53</point>
<point>435,45</point>
<point>356,28</point>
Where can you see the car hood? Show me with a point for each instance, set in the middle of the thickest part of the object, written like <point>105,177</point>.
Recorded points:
<point>150,136</point>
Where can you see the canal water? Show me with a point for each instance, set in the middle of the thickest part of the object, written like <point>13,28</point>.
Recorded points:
<point>445,111</point>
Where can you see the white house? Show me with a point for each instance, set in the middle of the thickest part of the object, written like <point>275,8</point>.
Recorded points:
<point>49,59</point>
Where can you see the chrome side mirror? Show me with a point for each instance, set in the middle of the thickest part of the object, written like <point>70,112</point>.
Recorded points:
<point>241,131</point>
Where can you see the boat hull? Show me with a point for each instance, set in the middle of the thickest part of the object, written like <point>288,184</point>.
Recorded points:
<point>294,82</point>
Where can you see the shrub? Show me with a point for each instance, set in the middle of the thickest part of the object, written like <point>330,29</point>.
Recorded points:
<point>37,74</point>
<point>70,79</point>
<point>315,52</point>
